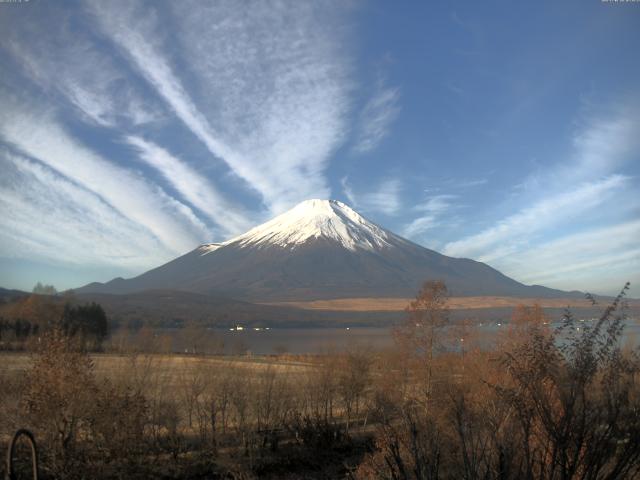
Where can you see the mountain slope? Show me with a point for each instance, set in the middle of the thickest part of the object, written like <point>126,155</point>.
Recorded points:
<point>10,294</point>
<point>319,249</point>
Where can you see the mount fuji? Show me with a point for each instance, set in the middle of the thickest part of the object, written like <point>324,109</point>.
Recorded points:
<point>320,249</point>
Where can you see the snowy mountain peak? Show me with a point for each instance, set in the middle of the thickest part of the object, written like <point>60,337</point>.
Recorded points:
<point>315,219</point>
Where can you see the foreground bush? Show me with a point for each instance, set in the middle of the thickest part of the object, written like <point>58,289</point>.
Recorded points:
<point>560,404</point>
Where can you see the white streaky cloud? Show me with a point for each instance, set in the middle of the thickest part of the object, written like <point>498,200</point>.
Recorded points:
<point>348,192</point>
<point>376,119</point>
<point>43,139</point>
<point>432,210</point>
<point>270,84</point>
<point>194,187</point>
<point>420,225</point>
<point>385,198</point>
<point>515,231</point>
<point>46,216</point>
<point>455,184</point>
<point>437,204</point>
<point>608,140</point>
<point>156,69</point>
<point>602,145</point>
<point>278,91</point>
<point>608,254</point>
<point>468,183</point>
<point>567,195</point>
<point>89,80</point>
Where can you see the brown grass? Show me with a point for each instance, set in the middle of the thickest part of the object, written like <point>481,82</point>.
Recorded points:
<point>167,365</point>
<point>458,303</point>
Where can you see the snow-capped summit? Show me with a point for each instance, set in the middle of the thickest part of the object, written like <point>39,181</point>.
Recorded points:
<point>314,219</point>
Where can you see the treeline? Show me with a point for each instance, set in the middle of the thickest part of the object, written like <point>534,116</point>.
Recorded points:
<point>24,321</point>
<point>41,289</point>
<point>542,404</point>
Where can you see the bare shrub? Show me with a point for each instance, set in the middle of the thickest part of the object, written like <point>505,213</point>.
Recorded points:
<point>59,392</point>
<point>551,404</point>
<point>118,421</point>
<point>576,401</point>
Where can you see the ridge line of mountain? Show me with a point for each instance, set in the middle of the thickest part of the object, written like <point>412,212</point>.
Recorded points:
<point>318,250</point>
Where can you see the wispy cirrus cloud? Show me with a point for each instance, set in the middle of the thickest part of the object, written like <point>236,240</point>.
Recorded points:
<point>437,204</point>
<point>610,254</point>
<point>533,244</point>
<point>37,135</point>
<point>455,184</point>
<point>48,217</point>
<point>271,85</point>
<point>376,118</point>
<point>516,231</point>
<point>420,225</point>
<point>385,198</point>
<point>430,213</point>
<point>468,183</point>
<point>605,140</point>
<point>266,90</point>
<point>65,61</point>
<point>194,187</point>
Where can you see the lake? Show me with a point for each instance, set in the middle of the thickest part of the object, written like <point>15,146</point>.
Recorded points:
<point>266,341</point>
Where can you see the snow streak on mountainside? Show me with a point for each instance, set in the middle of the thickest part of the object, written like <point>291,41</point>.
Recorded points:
<point>313,219</point>
<point>208,248</point>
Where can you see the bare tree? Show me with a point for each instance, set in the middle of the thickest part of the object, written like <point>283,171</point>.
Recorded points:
<point>353,378</point>
<point>422,332</point>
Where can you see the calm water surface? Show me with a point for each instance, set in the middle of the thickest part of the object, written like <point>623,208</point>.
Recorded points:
<point>322,340</point>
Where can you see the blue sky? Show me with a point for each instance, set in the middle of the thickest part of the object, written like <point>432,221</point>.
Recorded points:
<point>507,132</point>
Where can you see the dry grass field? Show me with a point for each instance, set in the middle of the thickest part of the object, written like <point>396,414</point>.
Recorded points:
<point>167,366</point>
<point>456,303</point>
<point>175,416</point>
